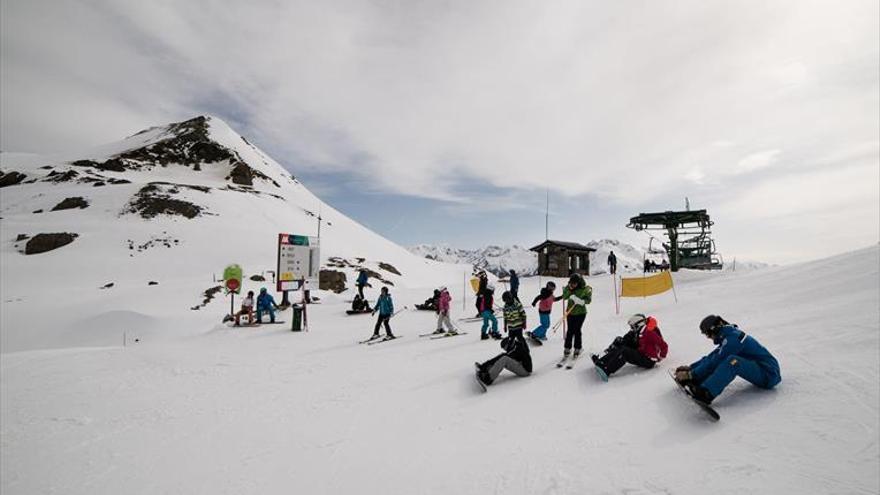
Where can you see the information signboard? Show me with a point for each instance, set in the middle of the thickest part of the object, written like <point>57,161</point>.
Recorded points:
<point>299,259</point>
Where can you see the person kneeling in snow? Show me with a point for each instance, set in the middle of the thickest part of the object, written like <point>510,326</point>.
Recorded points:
<point>737,354</point>
<point>265,302</point>
<point>516,356</point>
<point>642,346</point>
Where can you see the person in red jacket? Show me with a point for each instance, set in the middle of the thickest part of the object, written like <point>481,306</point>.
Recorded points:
<point>642,346</point>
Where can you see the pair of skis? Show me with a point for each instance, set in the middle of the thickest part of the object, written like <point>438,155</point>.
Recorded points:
<point>443,335</point>
<point>379,339</point>
<point>568,361</point>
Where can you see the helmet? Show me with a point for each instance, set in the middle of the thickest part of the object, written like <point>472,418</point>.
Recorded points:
<point>507,297</point>
<point>262,289</point>
<point>574,279</point>
<point>490,288</point>
<point>637,321</point>
<point>710,325</point>
<point>551,284</point>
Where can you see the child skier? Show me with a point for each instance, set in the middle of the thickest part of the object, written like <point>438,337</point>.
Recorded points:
<point>514,315</point>
<point>265,302</point>
<point>737,354</point>
<point>486,305</point>
<point>642,346</point>
<point>515,358</point>
<point>544,300</point>
<point>443,300</point>
<point>385,307</point>
<point>514,284</point>
<point>247,308</point>
<point>577,295</point>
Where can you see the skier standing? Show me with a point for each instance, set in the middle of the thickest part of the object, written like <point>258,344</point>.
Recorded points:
<point>642,346</point>
<point>612,263</point>
<point>362,281</point>
<point>514,284</point>
<point>737,354</point>
<point>481,287</point>
<point>385,307</point>
<point>265,302</point>
<point>486,306</point>
<point>544,300</point>
<point>577,295</point>
<point>443,300</point>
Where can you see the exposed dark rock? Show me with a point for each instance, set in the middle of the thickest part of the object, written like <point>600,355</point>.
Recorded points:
<point>208,295</point>
<point>152,282</point>
<point>258,278</point>
<point>98,184</point>
<point>155,199</point>
<point>331,280</point>
<point>38,211</point>
<point>107,286</point>
<point>388,268</point>
<point>42,243</point>
<point>11,178</point>
<point>71,203</point>
<point>58,177</point>
<point>242,174</point>
<point>21,237</point>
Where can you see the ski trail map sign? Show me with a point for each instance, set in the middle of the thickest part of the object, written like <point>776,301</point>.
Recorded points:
<point>299,259</point>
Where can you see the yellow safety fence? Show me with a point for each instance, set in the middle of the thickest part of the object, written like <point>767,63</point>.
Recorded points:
<point>646,286</point>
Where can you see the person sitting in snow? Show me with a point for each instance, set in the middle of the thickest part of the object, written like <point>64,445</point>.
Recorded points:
<point>430,303</point>
<point>515,358</point>
<point>642,346</point>
<point>385,307</point>
<point>265,302</point>
<point>737,354</point>
<point>360,305</point>
<point>247,309</point>
<point>545,301</point>
<point>443,300</point>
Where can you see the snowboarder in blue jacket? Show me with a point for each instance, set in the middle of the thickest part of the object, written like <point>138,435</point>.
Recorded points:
<point>737,354</point>
<point>385,307</point>
<point>265,302</point>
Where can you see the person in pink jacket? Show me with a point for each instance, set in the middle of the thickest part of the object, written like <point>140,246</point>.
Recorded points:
<point>443,312</point>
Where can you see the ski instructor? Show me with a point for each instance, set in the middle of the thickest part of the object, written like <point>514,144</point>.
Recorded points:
<point>737,354</point>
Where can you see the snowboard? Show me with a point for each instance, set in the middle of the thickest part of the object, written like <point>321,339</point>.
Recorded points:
<point>534,339</point>
<point>602,375</point>
<point>705,407</point>
<point>477,377</point>
<point>362,312</point>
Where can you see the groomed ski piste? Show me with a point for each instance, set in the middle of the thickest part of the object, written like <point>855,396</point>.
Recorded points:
<point>264,410</point>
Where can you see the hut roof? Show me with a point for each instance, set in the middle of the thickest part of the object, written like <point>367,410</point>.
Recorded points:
<point>571,246</point>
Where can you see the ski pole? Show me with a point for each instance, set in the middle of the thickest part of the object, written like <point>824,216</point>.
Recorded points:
<point>559,322</point>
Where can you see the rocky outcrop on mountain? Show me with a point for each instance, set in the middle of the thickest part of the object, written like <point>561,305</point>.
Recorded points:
<point>11,178</point>
<point>42,243</point>
<point>158,199</point>
<point>71,203</point>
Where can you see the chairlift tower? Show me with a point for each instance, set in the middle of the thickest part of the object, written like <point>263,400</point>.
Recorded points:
<point>690,237</point>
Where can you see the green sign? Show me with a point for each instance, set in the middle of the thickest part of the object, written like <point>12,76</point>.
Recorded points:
<point>232,277</point>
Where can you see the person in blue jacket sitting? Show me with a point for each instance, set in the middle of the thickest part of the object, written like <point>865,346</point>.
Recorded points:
<point>265,302</point>
<point>737,354</point>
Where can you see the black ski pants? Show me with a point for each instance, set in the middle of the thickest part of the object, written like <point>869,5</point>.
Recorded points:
<point>379,321</point>
<point>618,355</point>
<point>573,333</point>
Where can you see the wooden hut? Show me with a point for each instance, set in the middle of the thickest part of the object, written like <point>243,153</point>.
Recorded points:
<point>562,259</point>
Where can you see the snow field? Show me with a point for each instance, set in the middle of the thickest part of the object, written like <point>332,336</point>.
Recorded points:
<point>264,410</point>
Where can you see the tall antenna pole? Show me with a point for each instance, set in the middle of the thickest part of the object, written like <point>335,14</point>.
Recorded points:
<point>319,221</point>
<point>547,218</point>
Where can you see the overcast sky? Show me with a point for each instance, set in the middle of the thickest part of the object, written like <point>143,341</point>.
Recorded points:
<point>460,115</point>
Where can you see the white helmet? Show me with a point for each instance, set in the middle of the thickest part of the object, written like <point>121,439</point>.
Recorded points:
<point>490,287</point>
<point>637,321</point>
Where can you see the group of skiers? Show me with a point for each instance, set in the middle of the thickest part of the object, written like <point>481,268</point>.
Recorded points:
<point>643,345</point>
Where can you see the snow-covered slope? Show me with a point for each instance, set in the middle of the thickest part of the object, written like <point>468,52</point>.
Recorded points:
<point>264,410</point>
<point>174,205</point>
<point>498,260</point>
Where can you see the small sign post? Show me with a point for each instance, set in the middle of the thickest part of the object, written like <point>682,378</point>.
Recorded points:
<point>232,281</point>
